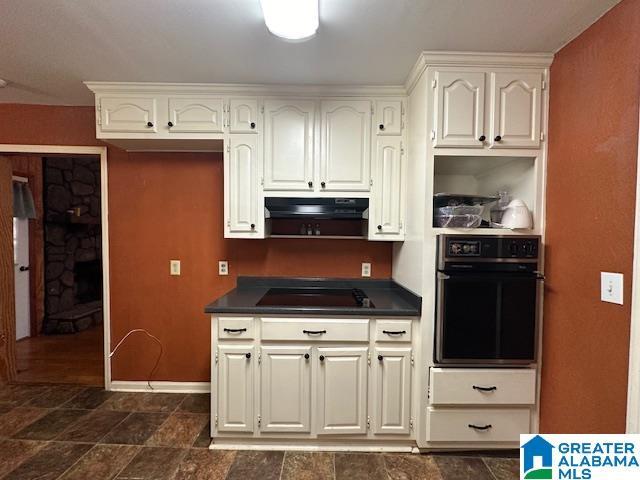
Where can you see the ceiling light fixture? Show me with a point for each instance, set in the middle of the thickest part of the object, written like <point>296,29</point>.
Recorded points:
<point>291,19</point>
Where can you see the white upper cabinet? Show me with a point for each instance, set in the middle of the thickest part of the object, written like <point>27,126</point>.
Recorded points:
<point>243,115</point>
<point>516,101</point>
<point>285,389</point>
<point>235,388</point>
<point>342,390</point>
<point>289,145</point>
<point>385,205</point>
<point>196,115</point>
<point>388,117</point>
<point>241,188</point>
<point>345,158</point>
<point>393,390</point>
<point>459,108</point>
<point>127,114</point>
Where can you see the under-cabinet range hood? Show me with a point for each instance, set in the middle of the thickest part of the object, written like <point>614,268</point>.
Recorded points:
<point>318,217</point>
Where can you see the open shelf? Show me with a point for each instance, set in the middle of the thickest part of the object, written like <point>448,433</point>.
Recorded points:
<point>482,231</point>
<point>486,176</point>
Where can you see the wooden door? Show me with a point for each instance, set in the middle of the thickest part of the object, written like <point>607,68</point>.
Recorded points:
<point>342,390</point>
<point>196,115</point>
<point>385,220</point>
<point>285,386</point>
<point>243,115</point>
<point>241,188</point>
<point>128,114</point>
<point>392,368</point>
<point>235,388</point>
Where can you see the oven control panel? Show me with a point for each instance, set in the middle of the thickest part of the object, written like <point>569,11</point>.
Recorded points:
<point>489,247</point>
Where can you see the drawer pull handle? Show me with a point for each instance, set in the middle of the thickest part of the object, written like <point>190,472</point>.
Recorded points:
<point>485,389</point>
<point>480,427</point>
<point>322,358</point>
<point>394,332</point>
<point>306,356</point>
<point>314,332</point>
<point>235,330</point>
<point>248,355</point>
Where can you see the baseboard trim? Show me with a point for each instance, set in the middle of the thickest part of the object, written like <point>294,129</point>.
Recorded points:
<point>160,387</point>
<point>314,448</point>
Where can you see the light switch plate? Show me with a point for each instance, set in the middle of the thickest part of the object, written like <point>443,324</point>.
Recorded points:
<point>366,269</point>
<point>174,267</point>
<point>611,287</point>
<point>223,267</point>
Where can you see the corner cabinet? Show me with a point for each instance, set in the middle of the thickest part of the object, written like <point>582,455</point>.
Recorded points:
<point>241,205</point>
<point>329,380</point>
<point>492,108</point>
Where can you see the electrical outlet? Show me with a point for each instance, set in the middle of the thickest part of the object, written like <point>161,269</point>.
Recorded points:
<point>611,287</point>
<point>223,267</point>
<point>174,267</point>
<point>366,269</point>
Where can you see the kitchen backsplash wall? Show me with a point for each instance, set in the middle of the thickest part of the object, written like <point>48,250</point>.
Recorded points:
<point>591,180</point>
<point>166,206</point>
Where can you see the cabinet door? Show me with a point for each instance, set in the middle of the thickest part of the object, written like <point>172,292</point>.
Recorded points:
<point>392,390</point>
<point>388,117</point>
<point>342,390</point>
<point>196,115</point>
<point>286,389</point>
<point>459,109</point>
<point>243,114</point>
<point>386,205</point>
<point>241,186</point>
<point>128,114</point>
<point>346,145</point>
<point>235,388</point>
<point>288,145</point>
<point>516,104</point>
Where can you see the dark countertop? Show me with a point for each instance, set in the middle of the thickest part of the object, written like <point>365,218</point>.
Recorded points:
<point>389,298</point>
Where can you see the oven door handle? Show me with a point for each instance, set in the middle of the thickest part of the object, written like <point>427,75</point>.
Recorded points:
<point>491,276</point>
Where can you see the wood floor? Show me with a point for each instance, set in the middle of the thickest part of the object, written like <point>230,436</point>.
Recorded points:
<point>75,358</point>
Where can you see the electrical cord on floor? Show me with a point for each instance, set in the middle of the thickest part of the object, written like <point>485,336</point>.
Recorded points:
<point>142,330</point>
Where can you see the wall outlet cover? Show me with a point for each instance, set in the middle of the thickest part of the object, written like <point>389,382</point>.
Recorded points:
<point>223,267</point>
<point>366,269</point>
<point>612,287</point>
<point>174,267</point>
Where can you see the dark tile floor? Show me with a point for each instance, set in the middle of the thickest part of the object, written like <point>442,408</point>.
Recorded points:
<point>75,433</point>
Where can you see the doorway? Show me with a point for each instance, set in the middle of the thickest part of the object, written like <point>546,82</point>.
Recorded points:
<point>58,331</point>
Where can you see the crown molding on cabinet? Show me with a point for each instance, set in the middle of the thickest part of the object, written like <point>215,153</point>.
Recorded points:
<point>474,58</point>
<point>247,89</point>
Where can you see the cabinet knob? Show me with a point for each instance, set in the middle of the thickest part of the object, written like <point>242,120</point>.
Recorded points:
<point>380,357</point>
<point>310,184</point>
<point>381,126</point>
<point>323,184</point>
<point>498,138</point>
<point>248,355</point>
<point>322,358</point>
<point>482,138</point>
<point>253,226</point>
<point>253,125</point>
<point>149,124</point>
<point>170,124</point>
<point>306,356</point>
<point>379,227</point>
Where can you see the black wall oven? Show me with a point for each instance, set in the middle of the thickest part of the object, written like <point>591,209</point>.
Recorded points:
<point>487,300</point>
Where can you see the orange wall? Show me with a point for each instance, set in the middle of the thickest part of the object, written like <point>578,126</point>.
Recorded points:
<point>166,206</point>
<point>593,135</point>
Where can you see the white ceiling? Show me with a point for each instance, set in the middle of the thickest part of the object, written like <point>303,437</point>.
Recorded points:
<point>48,47</point>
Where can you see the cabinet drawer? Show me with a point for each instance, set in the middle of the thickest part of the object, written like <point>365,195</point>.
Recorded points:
<point>451,386</point>
<point>236,328</point>
<point>318,329</point>
<point>393,331</point>
<point>477,425</point>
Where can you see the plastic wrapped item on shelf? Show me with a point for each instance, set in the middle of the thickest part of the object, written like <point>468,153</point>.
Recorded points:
<point>458,221</point>
<point>460,210</point>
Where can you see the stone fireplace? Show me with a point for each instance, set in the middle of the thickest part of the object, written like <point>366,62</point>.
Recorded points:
<point>73,254</point>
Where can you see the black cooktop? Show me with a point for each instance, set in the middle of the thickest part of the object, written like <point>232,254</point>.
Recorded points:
<point>315,297</point>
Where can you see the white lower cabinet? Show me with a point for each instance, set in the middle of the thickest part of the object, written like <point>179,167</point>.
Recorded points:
<point>392,390</point>
<point>235,388</point>
<point>285,386</point>
<point>342,390</point>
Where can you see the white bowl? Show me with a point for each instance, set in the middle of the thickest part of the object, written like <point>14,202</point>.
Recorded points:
<point>516,216</point>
